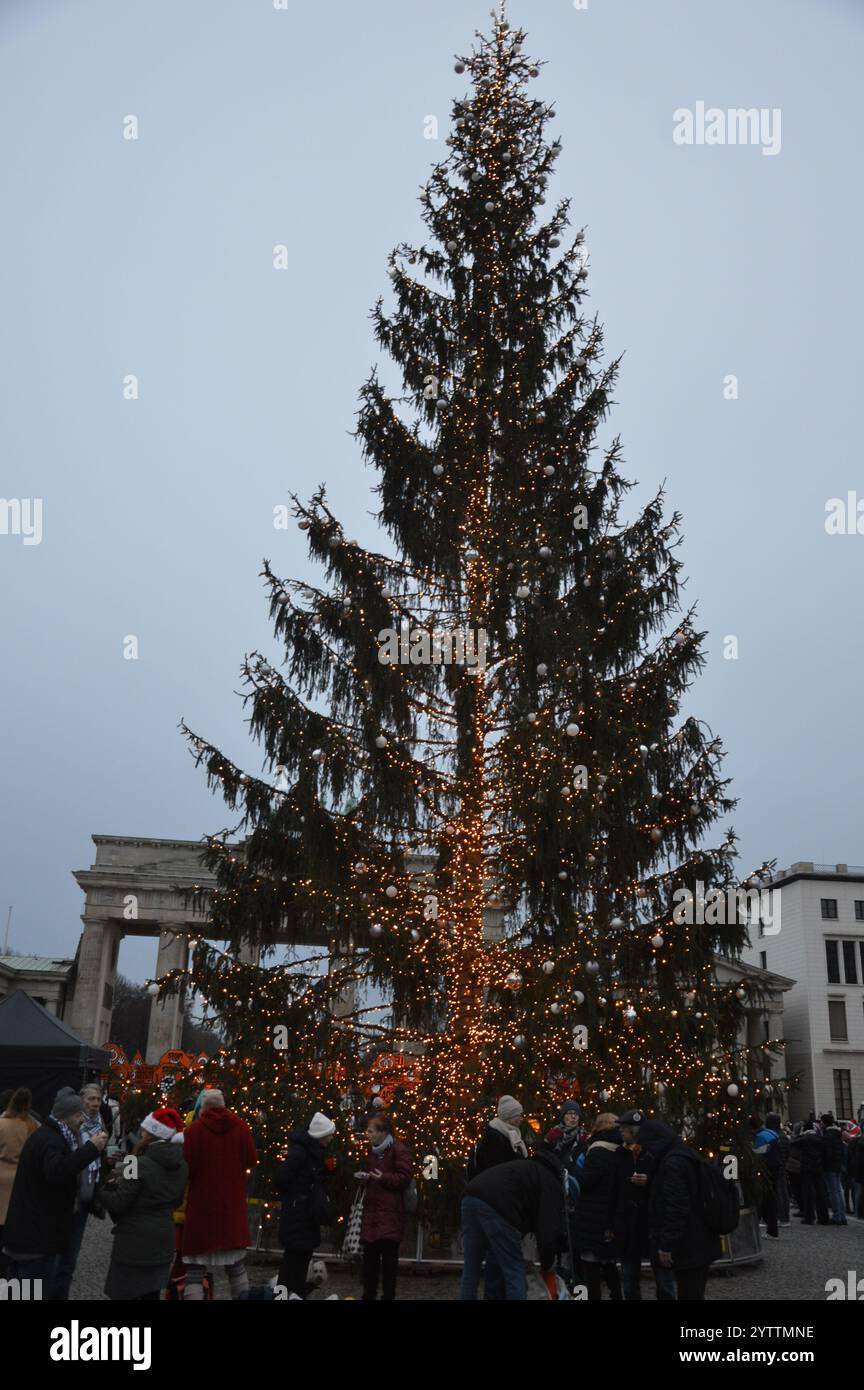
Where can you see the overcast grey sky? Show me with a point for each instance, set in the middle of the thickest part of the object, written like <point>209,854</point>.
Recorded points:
<point>305,126</point>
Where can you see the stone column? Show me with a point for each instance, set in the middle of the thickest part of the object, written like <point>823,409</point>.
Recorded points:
<point>346,1002</point>
<point>89,1014</point>
<point>166,1015</point>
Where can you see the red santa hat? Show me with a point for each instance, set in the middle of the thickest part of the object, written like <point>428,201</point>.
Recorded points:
<point>164,1123</point>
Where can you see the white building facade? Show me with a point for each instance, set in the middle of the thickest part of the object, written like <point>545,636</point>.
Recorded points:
<point>820,946</point>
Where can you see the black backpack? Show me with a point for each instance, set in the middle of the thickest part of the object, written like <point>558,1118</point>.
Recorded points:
<point>718,1199</point>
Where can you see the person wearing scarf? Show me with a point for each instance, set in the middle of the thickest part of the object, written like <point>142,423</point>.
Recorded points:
<point>388,1174</point>
<point>91,1125</point>
<point>42,1206</point>
<point>501,1140</point>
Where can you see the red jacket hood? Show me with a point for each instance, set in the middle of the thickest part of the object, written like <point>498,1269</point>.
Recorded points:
<point>218,1120</point>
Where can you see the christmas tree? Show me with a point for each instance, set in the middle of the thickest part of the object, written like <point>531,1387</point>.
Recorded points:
<point>480,805</point>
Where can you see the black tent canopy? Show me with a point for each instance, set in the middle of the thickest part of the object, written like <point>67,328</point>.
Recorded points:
<point>40,1051</point>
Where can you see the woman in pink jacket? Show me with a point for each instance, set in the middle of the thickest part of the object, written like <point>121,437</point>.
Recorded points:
<point>386,1177</point>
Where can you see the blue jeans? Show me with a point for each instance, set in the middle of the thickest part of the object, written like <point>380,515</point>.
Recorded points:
<point>834,1185</point>
<point>68,1258</point>
<point>664,1281</point>
<point>486,1236</point>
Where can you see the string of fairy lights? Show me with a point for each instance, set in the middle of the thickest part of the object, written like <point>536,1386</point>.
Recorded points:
<point>492,851</point>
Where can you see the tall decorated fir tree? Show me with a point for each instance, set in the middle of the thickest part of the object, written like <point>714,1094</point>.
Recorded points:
<point>479,804</point>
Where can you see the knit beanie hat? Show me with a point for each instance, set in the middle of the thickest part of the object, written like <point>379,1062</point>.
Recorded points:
<point>510,1110</point>
<point>320,1127</point>
<point>67,1102</point>
<point>163,1123</point>
<point>570,1107</point>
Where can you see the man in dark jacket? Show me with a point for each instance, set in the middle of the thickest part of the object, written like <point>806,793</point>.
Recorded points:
<point>631,1226</point>
<point>300,1183</point>
<point>678,1235</point>
<point>807,1147</point>
<point>832,1167</point>
<point>500,1207</point>
<point>501,1140</point>
<point>593,1234</point>
<point>42,1206</point>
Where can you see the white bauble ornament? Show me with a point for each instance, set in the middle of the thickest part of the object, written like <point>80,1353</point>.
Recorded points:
<point>376,929</point>
<point>380,741</point>
<point>532,718</point>
<point>604,1095</point>
<point>415,935</point>
<point>540,417</point>
<point>490,207</point>
<point>630,1014</point>
<point>579,996</point>
<point>542,669</point>
<point>554,1008</point>
<point>359,867</point>
<point>593,967</point>
<point>545,552</point>
<point>391,890</point>
<point>438,469</point>
<point>523,591</point>
<point>549,470</point>
<point>459,67</point>
<point>319,755</point>
<point>657,941</point>
<point>617,923</point>
<point>732,1090</point>
<point>572,730</point>
<point>548,966</point>
<point>563,874</point>
<point>519,1040</point>
<point>513,980</point>
<point>153,990</point>
<point>740,994</point>
<point>601,1000</point>
<point>656,835</point>
<point>452,246</point>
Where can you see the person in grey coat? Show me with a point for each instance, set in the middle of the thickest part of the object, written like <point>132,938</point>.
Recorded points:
<point>142,1203</point>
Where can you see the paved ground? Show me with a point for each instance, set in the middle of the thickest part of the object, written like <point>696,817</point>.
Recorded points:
<point>795,1267</point>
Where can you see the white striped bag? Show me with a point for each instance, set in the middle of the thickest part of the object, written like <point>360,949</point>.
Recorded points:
<point>351,1243</point>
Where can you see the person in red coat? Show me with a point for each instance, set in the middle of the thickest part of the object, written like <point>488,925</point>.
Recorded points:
<point>220,1155</point>
<point>386,1177</point>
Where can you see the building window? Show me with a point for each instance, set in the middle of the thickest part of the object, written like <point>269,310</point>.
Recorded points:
<point>763,960</point>
<point>843,1095</point>
<point>850,964</point>
<point>859,909</point>
<point>829,909</point>
<point>861,947</point>
<point>837,1020</point>
<point>832,958</point>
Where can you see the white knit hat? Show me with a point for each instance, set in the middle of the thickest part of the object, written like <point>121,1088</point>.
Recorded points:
<point>320,1127</point>
<point>510,1110</point>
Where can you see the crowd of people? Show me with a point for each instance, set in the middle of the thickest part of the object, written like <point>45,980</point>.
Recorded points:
<point>601,1201</point>
<point>816,1164</point>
